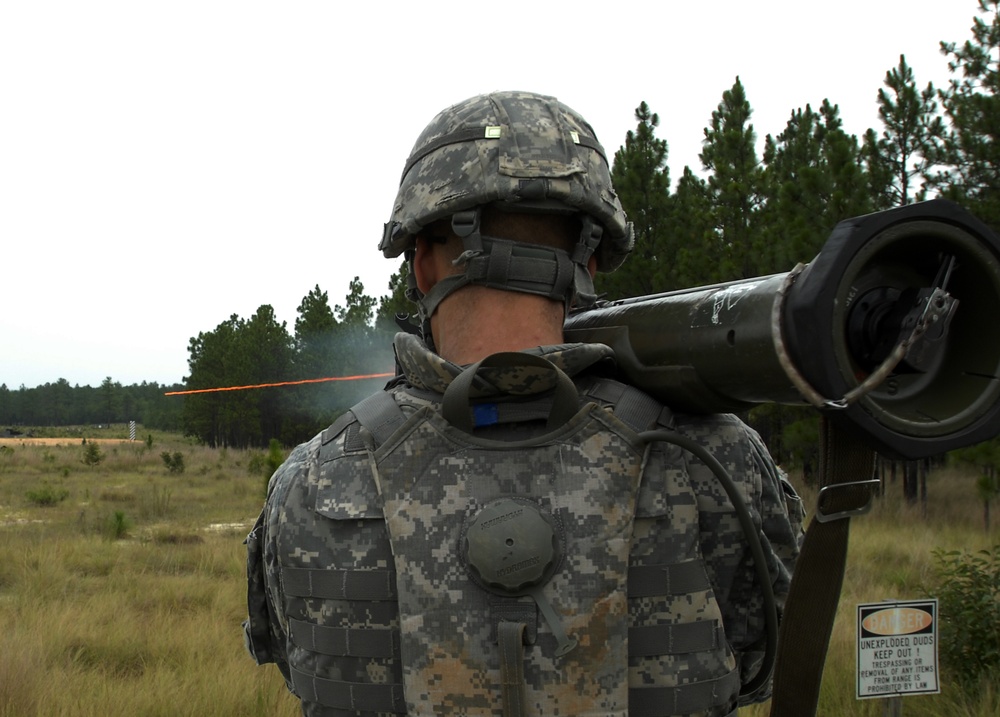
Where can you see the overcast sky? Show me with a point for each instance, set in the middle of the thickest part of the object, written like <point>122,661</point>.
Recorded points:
<point>164,165</point>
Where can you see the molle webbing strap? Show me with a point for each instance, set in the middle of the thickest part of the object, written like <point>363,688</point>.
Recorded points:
<point>681,699</point>
<point>657,580</point>
<point>355,696</point>
<point>365,643</point>
<point>344,641</point>
<point>653,640</point>
<point>666,580</point>
<point>339,584</point>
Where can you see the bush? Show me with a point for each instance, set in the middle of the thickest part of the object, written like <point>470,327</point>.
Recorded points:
<point>968,593</point>
<point>47,495</point>
<point>118,525</point>
<point>91,454</point>
<point>174,462</point>
<point>256,465</point>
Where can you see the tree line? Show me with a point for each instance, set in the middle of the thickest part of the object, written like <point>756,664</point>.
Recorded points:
<point>741,214</point>
<point>339,342</point>
<point>60,404</point>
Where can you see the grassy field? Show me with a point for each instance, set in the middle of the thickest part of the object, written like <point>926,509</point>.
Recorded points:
<point>125,597</point>
<point>122,582</point>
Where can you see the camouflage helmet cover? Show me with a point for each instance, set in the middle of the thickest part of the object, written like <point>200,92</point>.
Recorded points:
<point>523,151</point>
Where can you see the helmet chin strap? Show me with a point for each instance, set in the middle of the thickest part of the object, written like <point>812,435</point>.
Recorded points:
<point>512,266</point>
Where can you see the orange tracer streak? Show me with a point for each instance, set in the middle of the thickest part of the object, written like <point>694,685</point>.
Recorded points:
<point>281,383</point>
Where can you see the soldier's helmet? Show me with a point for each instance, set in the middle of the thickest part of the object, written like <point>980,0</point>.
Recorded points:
<point>521,152</point>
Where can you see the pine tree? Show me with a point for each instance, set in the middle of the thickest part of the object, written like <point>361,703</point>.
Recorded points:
<point>693,225</point>
<point>797,187</point>
<point>902,154</point>
<point>642,180</point>
<point>970,151</point>
<point>208,366</point>
<point>363,349</point>
<point>355,334</point>
<point>269,349</point>
<point>315,328</point>
<point>238,353</point>
<point>849,187</point>
<point>358,309</point>
<point>111,400</point>
<point>316,356</point>
<point>813,180</point>
<point>734,183</point>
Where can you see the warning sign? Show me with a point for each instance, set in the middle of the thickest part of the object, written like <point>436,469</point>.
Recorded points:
<point>897,649</point>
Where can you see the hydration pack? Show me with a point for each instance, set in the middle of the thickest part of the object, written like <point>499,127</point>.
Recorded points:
<point>518,556</point>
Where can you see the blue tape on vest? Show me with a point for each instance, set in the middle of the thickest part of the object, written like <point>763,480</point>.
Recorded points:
<point>485,414</point>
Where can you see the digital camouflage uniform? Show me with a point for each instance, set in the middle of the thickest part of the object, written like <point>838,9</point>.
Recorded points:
<point>360,590</point>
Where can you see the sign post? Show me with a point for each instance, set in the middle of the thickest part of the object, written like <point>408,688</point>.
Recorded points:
<point>897,649</point>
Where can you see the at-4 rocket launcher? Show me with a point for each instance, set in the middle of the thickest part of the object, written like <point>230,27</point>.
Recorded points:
<point>893,331</point>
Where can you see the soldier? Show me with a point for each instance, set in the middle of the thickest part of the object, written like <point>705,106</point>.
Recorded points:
<point>507,529</point>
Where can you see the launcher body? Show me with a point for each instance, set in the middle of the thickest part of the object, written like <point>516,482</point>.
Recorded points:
<point>893,330</point>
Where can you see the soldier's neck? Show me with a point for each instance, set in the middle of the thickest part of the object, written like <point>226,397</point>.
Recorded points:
<point>476,322</point>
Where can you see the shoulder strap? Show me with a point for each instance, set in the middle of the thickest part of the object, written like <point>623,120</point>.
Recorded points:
<point>379,413</point>
<point>636,409</point>
<point>846,467</point>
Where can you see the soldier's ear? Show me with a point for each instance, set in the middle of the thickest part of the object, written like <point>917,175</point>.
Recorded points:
<point>424,266</point>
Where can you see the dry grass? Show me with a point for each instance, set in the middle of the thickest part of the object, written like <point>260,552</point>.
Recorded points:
<point>145,625</point>
<point>150,624</point>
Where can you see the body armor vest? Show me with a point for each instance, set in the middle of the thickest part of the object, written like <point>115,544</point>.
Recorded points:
<point>542,571</point>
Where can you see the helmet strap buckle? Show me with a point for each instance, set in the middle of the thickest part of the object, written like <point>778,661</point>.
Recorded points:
<point>465,224</point>
<point>590,237</point>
